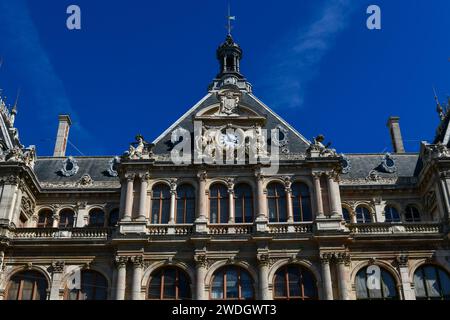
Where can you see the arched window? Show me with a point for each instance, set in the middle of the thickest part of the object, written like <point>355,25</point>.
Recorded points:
<point>431,283</point>
<point>232,283</point>
<point>276,198</point>
<point>362,215</point>
<point>94,286</point>
<point>346,215</point>
<point>113,218</point>
<point>385,289</point>
<point>412,214</point>
<point>293,282</point>
<point>45,219</point>
<point>185,204</point>
<point>301,202</point>
<point>160,204</point>
<point>96,218</point>
<point>27,285</point>
<point>391,214</point>
<point>66,218</point>
<point>218,204</point>
<point>169,284</point>
<point>243,203</point>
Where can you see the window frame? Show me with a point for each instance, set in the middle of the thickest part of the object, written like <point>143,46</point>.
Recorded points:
<point>184,200</point>
<point>239,270</point>
<point>242,199</point>
<point>276,198</point>
<point>300,197</point>
<point>218,200</point>
<point>178,273</point>
<point>287,287</point>
<point>436,270</point>
<point>48,220</point>
<point>21,281</point>
<point>163,188</point>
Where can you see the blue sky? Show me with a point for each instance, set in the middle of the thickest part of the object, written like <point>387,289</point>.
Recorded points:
<point>137,65</point>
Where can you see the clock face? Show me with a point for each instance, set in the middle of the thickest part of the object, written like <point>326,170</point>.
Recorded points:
<point>228,140</point>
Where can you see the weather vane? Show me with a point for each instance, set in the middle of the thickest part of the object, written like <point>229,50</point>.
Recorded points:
<point>230,18</point>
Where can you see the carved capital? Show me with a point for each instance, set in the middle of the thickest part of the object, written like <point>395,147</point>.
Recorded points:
<point>326,257</point>
<point>201,260</point>
<point>202,176</point>
<point>342,258</point>
<point>144,177</point>
<point>121,261</point>
<point>173,184</point>
<point>317,175</point>
<point>263,259</point>
<point>130,176</point>
<point>58,266</point>
<point>138,261</point>
<point>402,260</point>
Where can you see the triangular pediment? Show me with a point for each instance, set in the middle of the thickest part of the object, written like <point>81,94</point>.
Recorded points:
<point>248,111</point>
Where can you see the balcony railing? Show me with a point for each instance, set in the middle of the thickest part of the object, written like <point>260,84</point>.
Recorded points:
<point>165,229</point>
<point>395,228</point>
<point>231,228</point>
<point>69,233</point>
<point>298,227</point>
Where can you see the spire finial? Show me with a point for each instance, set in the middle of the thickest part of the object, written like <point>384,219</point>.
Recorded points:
<point>229,19</point>
<point>439,108</point>
<point>14,109</point>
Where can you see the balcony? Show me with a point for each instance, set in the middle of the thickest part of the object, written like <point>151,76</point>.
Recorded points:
<point>62,234</point>
<point>395,228</point>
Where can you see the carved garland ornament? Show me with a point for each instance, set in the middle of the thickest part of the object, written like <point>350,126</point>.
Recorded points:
<point>70,167</point>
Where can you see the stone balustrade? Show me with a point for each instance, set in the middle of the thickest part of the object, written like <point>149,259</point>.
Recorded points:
<point>395,228</point>
<point>69,233</point>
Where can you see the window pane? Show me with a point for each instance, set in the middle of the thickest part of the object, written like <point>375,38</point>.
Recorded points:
<point>155,287</point>
<point>346,215</point>
<point>224,210</point>
<point>232,284</point>
<point>309,285</point>
<point>217,286</point>
<point>280,286</point>
<point>419,284</point>
<point>388,284</point>
<point>431,282</point>
<point>294,282</point>
<point>169,284</point>
<point>361,285</point>
<point>246,286</point>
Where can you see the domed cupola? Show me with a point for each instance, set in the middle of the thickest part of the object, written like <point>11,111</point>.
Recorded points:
<point>229,55</point>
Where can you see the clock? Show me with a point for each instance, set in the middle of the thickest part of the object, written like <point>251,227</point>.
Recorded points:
<point>228,140</point>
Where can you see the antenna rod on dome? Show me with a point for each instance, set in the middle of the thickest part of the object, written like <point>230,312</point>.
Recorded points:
<point>230,18</point>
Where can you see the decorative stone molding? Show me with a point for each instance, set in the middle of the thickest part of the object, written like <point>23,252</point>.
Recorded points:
<point>263,259</point>
<point>346,164</point>
<point>85,181</point>
<point>388,163</point>
<point>27,206</point>
<point>229,101</point>
<point>69,167</point>
<point>58,266</point>
<point>436,151</point>
<point>202,175</point>
<point>173,182</point>
<point>283,141</point>
<point>402,261</point>
<point>138,261</point>
<point>112,167</point>
<point>201,260</point>
<point>121,261</point>
<point>326,257</point>
<point>343,257</point>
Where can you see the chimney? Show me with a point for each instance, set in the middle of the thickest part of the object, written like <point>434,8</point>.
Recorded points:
<point>396,135</point>
<point>62,135</point>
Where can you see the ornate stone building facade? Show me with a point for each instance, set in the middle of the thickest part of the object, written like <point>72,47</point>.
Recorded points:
<point>322,225</point>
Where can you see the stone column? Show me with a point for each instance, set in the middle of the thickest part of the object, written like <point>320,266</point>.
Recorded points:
<point>231,210</point>
<point>9,195</point>
<point>288,190</point>
<point>263,276</point>
<point>121,265</point>
<point>326,276</point>
<point>408,292</point>
<point>201,211</point>
<point>129,197</point>
<point>201,266</point>
<point>262,215</point>
<point>55,220</point>
<point>342,260</point>
<point>318,193</point>
<point>143,196</point>
<point>57,273</point>
<point>173,200</point>
<point>137,278</point>
<point>81,214</point>
<point>332,194</point>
